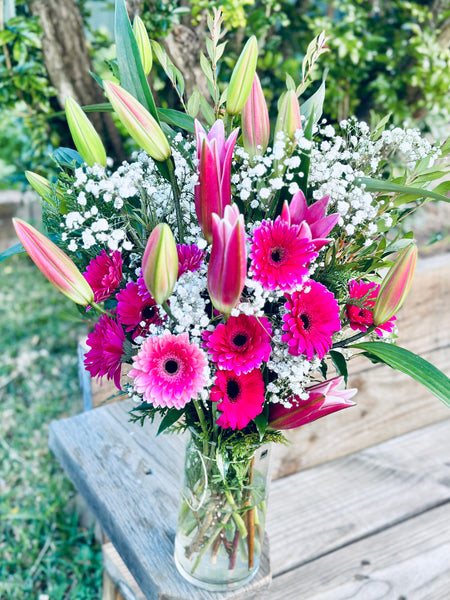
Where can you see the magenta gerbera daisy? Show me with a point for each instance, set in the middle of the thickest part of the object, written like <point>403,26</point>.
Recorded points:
<point>280,254</point>
<point>240,397</point>
<point>168,370</point>
<point>240,345</point>
<point>190,258</point>
<point>106,342</point>
<point>134,309</point>
<point>311,320</point>
<point>104,274</point>
<point>361,317</point>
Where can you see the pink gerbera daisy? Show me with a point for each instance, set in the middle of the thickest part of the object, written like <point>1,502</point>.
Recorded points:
<point>240,345</point>
<point>361,316</point>
<point>190,258</point>
<point>240,397</point>
<point>168,370</point>
<point>280,254</point>
<point>136,311</point>
<point>104,274</point>
<point>311,320</point>
<point>106,342</point>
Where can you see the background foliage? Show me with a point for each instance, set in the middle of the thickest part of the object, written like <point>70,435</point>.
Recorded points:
<point>42,547</point>
<point>388,57</point>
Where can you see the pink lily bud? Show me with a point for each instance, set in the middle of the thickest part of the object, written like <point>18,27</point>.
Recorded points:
<point>255,121</point>
<point>395,286</point>
<point>242,77</point>
<point>227,267</point>
<point>54,264</point>
<point>160,263</point>
<point>323,399</point>
<point>85,138</point>
<point>139,123</point>
<point>298,211</point>
<point>213,191</point>
<point>289,119</point>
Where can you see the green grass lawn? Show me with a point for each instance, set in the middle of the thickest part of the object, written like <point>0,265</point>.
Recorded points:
<point>44,554</point>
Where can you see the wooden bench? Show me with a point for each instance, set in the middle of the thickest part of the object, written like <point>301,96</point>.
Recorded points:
<point>374,524</point>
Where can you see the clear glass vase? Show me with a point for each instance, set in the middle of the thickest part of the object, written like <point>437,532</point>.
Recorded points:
<point>221,521</point>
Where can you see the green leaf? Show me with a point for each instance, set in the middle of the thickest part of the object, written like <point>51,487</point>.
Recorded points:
<point>171,417</point>
<point>340,364</point>
<point>6,36</point>
<point>377,185</point>
<point>380,126</point>
<point>207,111</point>
<point>132,76</point>
<point>290,83</point>
<point>193,105</point>
<point>261,421</point>
<point>176,118</point>
<point>67,157</point>
<point>416,367</point>
<point>16,249</point>
<point>206,68</point>
<point>314,104</point>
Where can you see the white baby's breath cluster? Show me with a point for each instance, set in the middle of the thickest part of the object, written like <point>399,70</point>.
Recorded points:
<point>188,304</point>
<point>101,201</point>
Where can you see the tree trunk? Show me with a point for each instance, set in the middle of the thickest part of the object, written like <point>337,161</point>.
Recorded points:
<point>68,63</point>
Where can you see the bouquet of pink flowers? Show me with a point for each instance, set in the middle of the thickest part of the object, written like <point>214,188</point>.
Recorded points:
<point>232,267</point>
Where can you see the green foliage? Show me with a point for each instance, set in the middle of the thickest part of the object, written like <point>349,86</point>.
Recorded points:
<point>411,364</point>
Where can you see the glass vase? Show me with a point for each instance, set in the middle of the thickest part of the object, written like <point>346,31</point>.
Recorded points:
<point>221,521</point>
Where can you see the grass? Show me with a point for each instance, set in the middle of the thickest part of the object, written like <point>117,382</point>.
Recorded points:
<point>45,554</point>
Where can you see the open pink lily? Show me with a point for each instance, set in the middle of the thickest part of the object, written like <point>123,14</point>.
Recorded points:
<point>213,191</point>
<point>227,267</point>
<point>59,269</point>
<point>324,398</point>
<point>298,211</point>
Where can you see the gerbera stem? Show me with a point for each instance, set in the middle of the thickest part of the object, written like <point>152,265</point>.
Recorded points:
<point>354,338</point>
<point>201,417</point>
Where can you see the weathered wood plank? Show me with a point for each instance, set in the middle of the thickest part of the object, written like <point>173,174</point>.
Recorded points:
<point>389,404</point>
<point>409,561</point>
<point>319,510</point>
<point>120,581</point>
<point>131,481</point>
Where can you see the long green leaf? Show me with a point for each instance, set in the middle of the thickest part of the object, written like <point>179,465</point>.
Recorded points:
<point>16,249</point>
<point>377,185</point>
<point>314,104</point>
<point>132,76</point>
<point>416,367</point>
<point>176,118</point>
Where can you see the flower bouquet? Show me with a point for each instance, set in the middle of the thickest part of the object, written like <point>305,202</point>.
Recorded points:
<point>235,268</point>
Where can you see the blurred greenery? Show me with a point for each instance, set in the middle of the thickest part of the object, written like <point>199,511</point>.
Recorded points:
<point>384,57</point>
<point>43,549</point>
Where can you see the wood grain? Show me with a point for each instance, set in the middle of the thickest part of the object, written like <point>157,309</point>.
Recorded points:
<point>389,404</point>
<point>320,510</point>
<point>409,561</point>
